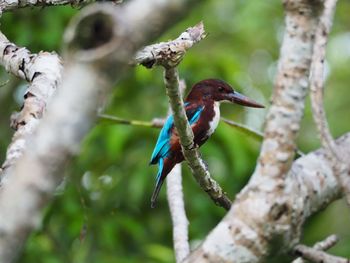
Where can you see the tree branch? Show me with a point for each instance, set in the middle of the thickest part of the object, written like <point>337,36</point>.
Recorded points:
<point>317,83</point>
<point>255,220</point>
<point>257,135</point>
<point>178,214</point>
<point>159,122</point>
<point>7,5</point>
<point>326,244</point>
<point>317,76</point>
<point>155,123</point>
<point>94,62</point>
<point>290,89</point>
<point>276,201</point>
<point>43,72</point>
<point>169,55</point>
<point>191,154</point>
<point>316,255</point>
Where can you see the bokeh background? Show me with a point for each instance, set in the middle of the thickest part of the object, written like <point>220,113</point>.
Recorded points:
<point>101,213</point>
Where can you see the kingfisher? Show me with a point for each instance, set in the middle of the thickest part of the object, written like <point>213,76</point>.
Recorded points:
<point>202,106</point>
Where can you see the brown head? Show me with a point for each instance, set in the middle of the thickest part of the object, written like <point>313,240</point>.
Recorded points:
<point>218,90</point>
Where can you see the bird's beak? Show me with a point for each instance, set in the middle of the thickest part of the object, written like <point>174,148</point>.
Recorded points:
<point>240,99</point>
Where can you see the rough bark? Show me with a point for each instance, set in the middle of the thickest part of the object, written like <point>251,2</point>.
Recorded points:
<point>93,62</point>
<point>267,215</point>
<point>7,5</point>
<point>317,256</point>
<point>43,72</point>
<point>323,245</point>
<point>261,225</point>
<point>170,54</point>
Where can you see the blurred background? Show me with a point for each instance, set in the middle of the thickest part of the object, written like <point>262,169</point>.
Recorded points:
<point>101,213</point>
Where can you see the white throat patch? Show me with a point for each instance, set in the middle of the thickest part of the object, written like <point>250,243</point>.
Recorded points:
<point>215,121</point>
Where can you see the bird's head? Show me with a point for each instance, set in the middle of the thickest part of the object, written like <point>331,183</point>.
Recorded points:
<point>218,90</point>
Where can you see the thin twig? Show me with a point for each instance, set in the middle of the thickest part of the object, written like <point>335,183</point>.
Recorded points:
<point>155,123</point>
<point>324,245</point>
<point>317,85</point>
<point>257,135</point>
<point>178,213</point>
<point>4,83</point>
<point>318,256</point>
<point>158,123</point>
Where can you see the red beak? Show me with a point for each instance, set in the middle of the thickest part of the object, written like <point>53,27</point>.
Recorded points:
<point>240,99</point>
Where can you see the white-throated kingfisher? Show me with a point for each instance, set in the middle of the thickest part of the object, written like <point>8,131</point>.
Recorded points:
<point>202,107</point>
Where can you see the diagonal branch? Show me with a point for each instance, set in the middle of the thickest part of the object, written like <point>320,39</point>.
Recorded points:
<point>326,244</point>
<point>43,72</point>
<point>315,255</point>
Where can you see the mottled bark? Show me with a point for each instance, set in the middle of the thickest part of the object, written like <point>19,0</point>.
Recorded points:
<point>170,54</point>
<point>323,245</point>
<point>264,224</point>
<point>267,215</point>
<point>317,256</point>
<point>7,5</point>
<point>87,77</point>
<point>43,72</point>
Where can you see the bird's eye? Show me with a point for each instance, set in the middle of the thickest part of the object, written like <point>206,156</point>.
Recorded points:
<point>221,89</point>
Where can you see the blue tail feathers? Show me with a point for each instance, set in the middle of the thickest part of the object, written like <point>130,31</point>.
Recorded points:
<point>159,183</point>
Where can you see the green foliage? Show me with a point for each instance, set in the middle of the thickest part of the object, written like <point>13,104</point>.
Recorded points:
<point>102,212</point>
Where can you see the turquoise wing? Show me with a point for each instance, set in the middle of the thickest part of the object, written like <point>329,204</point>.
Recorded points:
<point>162,148</point>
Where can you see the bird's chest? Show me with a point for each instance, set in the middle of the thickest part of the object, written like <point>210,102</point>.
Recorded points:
<point>213,123</point>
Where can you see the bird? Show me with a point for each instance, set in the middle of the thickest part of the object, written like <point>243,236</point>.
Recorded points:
<point>202,106</point>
